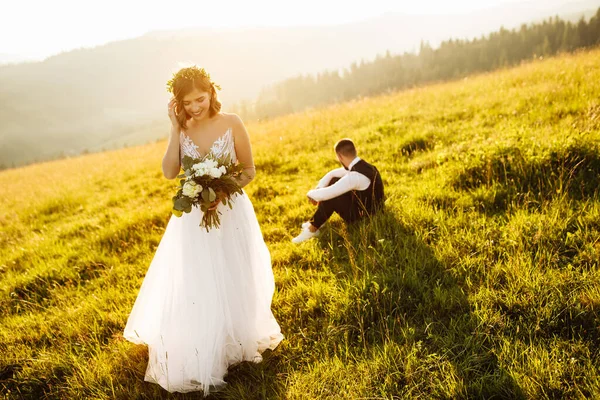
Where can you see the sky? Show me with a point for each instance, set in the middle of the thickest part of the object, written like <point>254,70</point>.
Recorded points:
<point>37,29</point>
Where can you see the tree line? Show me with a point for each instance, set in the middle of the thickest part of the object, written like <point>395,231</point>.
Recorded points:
<point>454,58</point>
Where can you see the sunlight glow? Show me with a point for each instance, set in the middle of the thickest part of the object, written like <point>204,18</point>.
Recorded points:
<point>40,28</point>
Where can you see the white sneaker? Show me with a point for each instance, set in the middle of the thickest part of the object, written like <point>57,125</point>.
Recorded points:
<point>305,234</point>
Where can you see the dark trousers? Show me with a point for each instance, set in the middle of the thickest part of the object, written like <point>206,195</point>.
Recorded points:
<point>344,205</point>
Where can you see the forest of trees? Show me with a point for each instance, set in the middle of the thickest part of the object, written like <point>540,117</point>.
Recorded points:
<point>453,59</point>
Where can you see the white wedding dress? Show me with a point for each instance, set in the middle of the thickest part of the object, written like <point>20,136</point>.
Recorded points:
<point>205,302</point>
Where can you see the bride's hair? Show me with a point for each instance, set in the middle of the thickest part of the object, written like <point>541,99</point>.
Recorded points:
<point>184,81</point>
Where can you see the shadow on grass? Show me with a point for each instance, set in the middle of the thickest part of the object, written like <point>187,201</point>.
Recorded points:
<point>500,177</point>
<point>401,294</point>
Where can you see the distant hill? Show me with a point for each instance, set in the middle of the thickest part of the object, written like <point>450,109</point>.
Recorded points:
<point>94,98</point>
<point>452,59</point>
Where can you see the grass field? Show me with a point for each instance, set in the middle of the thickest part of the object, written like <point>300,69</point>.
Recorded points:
<point>481,279</point>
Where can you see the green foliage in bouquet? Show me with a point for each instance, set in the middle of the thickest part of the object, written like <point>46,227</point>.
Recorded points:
<point>201,182</point>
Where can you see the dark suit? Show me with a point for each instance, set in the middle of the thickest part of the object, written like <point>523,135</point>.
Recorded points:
<point>354,204</point>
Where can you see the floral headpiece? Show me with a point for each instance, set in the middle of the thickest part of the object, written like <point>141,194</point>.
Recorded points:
<point>189,73</point>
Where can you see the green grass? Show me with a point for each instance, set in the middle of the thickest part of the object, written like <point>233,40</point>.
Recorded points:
<point>480,281</point>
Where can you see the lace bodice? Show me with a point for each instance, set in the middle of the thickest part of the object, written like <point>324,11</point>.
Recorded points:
<point>222,147</point>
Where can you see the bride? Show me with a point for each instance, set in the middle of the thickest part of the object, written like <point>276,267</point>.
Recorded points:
<point>205,302</point>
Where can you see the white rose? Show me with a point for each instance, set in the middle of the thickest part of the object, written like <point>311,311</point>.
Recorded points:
<point>191,189</point>
<point>201,172</point>
<point>215,173</point>
<point>208,163</point>
<point>223,169</point>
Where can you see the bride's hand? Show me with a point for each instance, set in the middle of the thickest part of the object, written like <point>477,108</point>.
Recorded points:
<point>215,204</point>
<point>172,112</point>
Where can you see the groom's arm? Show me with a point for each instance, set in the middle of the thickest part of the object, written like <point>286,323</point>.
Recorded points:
<point>350,181</point>
<point>335,173</point>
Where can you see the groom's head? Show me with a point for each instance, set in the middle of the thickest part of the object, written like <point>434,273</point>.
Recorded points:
<point>345,151</point>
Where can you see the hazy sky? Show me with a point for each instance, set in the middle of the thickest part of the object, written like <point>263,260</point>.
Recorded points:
<point>37,29</point>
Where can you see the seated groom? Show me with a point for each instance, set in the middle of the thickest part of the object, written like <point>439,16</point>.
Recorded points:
<point>354,191</point>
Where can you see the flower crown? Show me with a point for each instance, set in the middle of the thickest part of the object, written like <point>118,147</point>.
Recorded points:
<point>189,73</point>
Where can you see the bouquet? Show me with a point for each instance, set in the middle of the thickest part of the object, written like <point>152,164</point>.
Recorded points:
<point>199,184</point>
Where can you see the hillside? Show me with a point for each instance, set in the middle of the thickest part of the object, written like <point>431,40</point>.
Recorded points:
<point>480,280</point>
<point>114,94</point>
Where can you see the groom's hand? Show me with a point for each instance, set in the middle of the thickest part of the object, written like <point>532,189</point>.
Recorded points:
<point>313,202</point>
